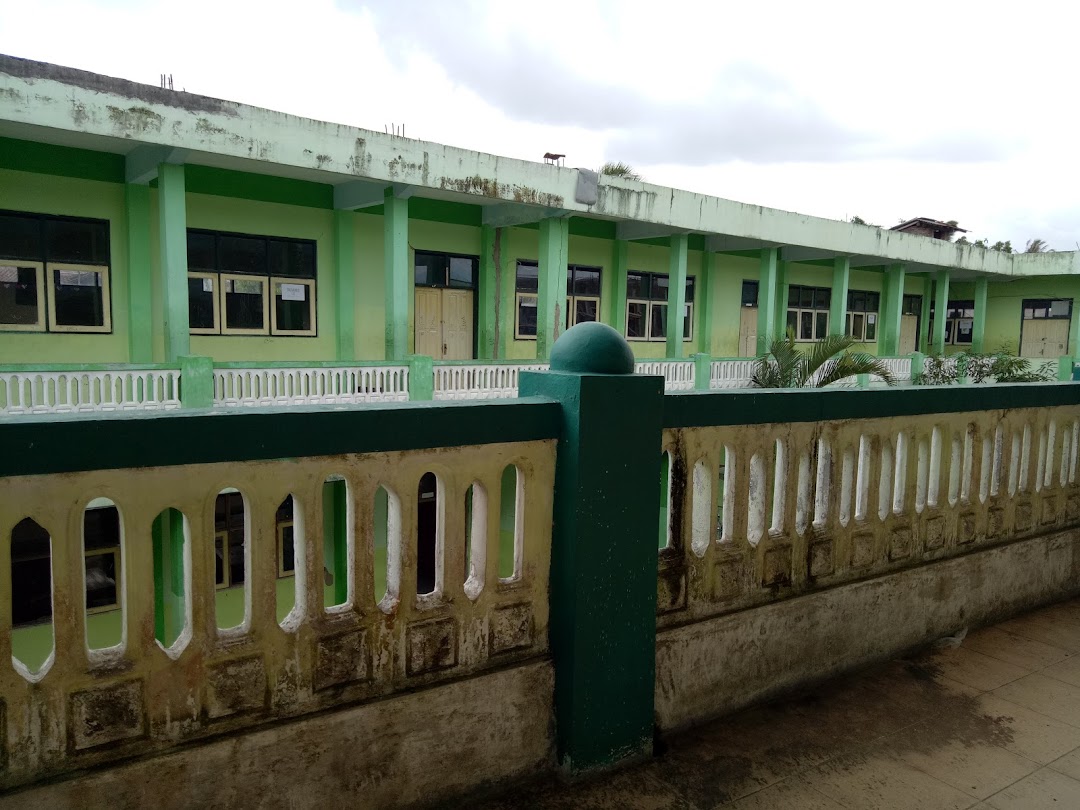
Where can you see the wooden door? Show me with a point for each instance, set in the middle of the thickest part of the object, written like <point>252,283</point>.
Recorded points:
<point>748,321</point>
<point>427,320</point>
<point>1045,338</point>
<point>909,333</point>
<point>457,324</point>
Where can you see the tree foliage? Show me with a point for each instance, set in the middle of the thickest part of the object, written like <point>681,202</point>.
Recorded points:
<point>828,361</point>
<point>620,169</point>
<point>979,368</point>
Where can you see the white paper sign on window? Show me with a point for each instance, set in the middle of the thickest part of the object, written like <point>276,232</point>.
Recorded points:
<point>293,292</point>
<point>77,278</point>
<point>207,285</point>
<point>1059,309</point>
<point>964,327</point>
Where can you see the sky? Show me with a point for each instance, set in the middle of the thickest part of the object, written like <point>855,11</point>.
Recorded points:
<point>956,111</point>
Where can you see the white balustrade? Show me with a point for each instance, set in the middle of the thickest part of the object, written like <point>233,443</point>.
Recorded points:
<point>735,373</point>
<point>678,374</point>
<point>480,380</point>
<point>28,392</point>
<point>310,386</point>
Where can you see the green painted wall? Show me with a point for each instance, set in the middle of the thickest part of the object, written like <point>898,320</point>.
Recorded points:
<point>50,194</point>
<point>1005,308</point>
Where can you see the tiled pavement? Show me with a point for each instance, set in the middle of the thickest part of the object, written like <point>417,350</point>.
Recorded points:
<point>993,723</point>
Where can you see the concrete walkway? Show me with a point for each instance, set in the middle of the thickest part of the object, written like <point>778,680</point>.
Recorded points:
<point>993,723</point>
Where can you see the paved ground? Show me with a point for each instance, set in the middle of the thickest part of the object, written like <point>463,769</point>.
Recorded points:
<point>993,723</point>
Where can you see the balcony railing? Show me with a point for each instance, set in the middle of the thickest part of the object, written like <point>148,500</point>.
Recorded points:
<point>79,389</point>
<point>238,385</point>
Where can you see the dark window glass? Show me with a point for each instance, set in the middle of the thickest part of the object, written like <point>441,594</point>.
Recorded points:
<point>293,309</point>
<point>463,271</point>
<point>585,311</point>
<point>637,286</point>
<point>635,320</point>
<point>586,281</point>
<point>658,321</point>
<point>78,298</point>
<point>856,301</point>
<point>31,573</point>
<point>101,585</point>
<point>690,291</point>
<point>288,538</point>
<point>660,289</point>
<point>806,297</point>
<point>792,322</point>
<point>101,528</point>
<point>871,326</point>
<point>430,269</point>
<point>873,301</point>
<point>855,325</point>
<point>229,550</point>
<point>806,326</point>
<point>244,303</point>
<point>20,237</point>
<point>241,254</point>
<point>794,296</point>
<point>201,294</point>
<point>912,305</point>
<point>527,277</point>
<point>77,240</point>
<point>750,293</point>
<point>18,295</point>
<point>200,251</point>
<point>527,315</point>
<point>688,323</point>
<point>288,258</point>
<point>821,298</point>
<point>822,323</point>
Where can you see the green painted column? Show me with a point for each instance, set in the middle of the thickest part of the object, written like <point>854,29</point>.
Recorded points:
<point>767,284</point>
<point>602,626</point>
<point>620,262</point>
<point>551,303</point>
<point>781,299</point>
<point>421,377</point>
<point>1074,325</point>
<point>140,297</point>
<point>892,309</point>
<point>676,296</point>
<point>925,338</point>
<point>838,299</point>
<point>702,371</point>
<point>704,307</point>
<point>345,276</point>
<point>488,293</point>
<point>978,329</point>
<point>196,381</point>
<point>941,306</point>
<point>397,275</point>
<point>172,214</point>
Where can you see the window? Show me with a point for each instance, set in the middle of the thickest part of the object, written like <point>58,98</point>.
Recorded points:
<point>445,270</point>
<point>250,285</point>
<point>54,274</point>
<point>229,532</point>
<point>808,312</point>
<point>101,536</point>
<point>912,305</point>
<point>749,293</point>
<point>647,307</point>
<point>582,297</point>
<point>862,315</point>
<point>286,538</point>
<point>1040,309</point>
<point>959,322</point>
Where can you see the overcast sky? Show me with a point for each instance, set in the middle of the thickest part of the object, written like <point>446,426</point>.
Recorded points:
<point>951,110</point>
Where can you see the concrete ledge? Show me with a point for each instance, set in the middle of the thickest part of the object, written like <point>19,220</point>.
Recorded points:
<point>413,749</point>
<point>722,664</point>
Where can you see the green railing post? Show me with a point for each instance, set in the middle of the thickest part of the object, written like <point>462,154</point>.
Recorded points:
<point>603,554</point>
<point>196,381</point>
<point>421,377</point>
<point>1065,369</point>
<point>862,380</point>
<point>918,361</point>
<point>702,371</point>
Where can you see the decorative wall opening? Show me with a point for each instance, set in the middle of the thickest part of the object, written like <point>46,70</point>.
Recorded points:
<point>171,538</point>
<point>476,516</point>
<point>337,513</point>
<point>32,637</point>
<point>231,527</point>
<point>511,523</point>
<point>103,575</point>
<point>430,525</point>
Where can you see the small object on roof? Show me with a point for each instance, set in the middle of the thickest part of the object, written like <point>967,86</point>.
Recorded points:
<point>553,158</point>
<point>924,226</point>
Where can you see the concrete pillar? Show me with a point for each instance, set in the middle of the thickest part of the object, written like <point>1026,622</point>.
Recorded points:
<point>345,279</point>
<point>196,382</point>
<point>140,297</point>
<point>677,254</point>
<point>781,299</point>
<point>702,371</point>
<point>941,307</point>
<point>838,299</point>
<point>421,377</point>
<point>767,284</point>
<point>620,251</point>
<point>703,301</point>
<point>172,215</point>
<point>551,303</point>
<point>925,338</point>
<point>397,275</point>
<point>488,293</point>
<point>603,551</point>
<point>892,310</point>
<point>978,329</point>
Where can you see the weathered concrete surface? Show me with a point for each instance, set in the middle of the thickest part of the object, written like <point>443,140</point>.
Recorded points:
<point>413,749</point>
<point>716,666</point>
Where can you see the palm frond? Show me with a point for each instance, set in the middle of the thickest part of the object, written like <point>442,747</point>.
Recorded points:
<point>851,364</point>
<point>822,351</point>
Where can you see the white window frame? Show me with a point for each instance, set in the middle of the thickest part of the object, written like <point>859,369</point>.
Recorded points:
<point>518,297</point>
<point>648,318</point>
<point>571,307</point>
<point>688,318</point>
<point>216,298</point>
<point>39,268</point>
<point>281,527</point>
<point>688,314</point>
<point>223,313</point>
<point>307,282</point>
<point>114,551</point>
<point>813,315</point>
<point>865,315</point>
<point>106,310</point>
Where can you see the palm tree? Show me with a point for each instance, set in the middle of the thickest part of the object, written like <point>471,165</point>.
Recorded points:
<point>827,362</point>
<point>620,169</point>
<point>1037,246</point>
